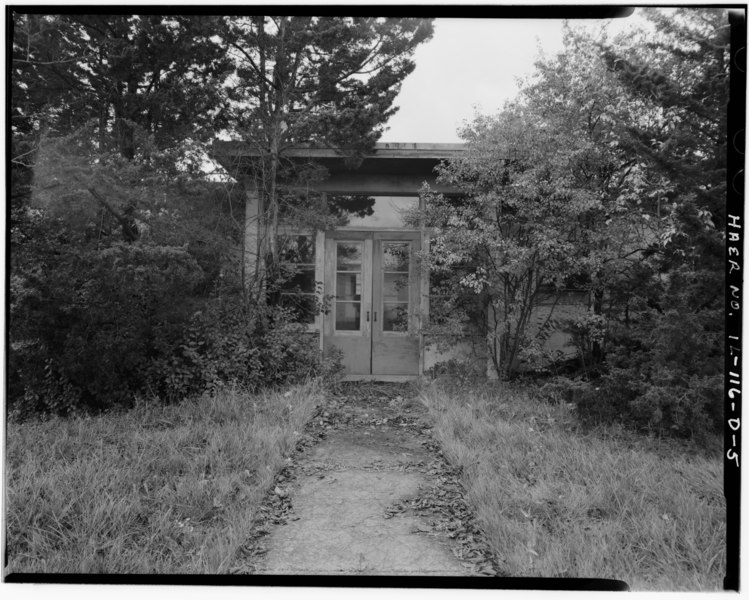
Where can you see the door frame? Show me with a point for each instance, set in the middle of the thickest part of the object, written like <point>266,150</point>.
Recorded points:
<point>353,340</point>
<point>418,300</point>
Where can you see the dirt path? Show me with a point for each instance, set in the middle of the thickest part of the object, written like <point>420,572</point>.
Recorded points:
<point>367,492</point>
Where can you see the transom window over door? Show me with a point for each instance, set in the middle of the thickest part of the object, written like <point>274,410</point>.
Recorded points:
<point>371,212</point>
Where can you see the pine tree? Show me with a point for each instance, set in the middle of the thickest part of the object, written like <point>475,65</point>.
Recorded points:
<point>330,81</point>
<point>159,74</point>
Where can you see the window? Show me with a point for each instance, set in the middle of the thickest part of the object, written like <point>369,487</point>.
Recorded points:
<point>373,211</point>
<point>298,287</point>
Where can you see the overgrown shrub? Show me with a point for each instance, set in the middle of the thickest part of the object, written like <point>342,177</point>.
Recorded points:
<point>83,323</point>
<point>225,342</point>
<point>666,404</point>
<point>231,340</point>
<point>93,329</point>
<point>644,395</point>
<point>125,283</point>
<point>587,334</point>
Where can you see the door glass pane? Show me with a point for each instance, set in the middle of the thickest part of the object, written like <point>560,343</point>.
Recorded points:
<point>395,285</point>
<point>348,286</point>
<point>349,256</point>
<point>347,316</point>
<point>395,288</point>
<point>395,256</point>
<point>395,316</point>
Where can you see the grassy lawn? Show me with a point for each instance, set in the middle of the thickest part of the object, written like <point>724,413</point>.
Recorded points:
<point>154,490</point>
<point>557,501</point>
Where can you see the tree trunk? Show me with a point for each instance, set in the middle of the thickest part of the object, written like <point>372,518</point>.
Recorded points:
<point>596,353</point>
<point>124,122</point>
<point>273,201</point>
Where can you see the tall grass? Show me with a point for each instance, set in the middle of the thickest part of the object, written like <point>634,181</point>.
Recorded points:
<point>158,489</point>
<point>556,501</point>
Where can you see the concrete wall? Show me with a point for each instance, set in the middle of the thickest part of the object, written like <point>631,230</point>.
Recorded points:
<point>471,351</point>
<point>559,343</point>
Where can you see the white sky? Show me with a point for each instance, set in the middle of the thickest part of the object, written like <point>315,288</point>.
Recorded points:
<point>469,66</point>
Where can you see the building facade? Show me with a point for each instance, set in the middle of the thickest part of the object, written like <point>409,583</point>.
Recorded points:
<point>368,267</point>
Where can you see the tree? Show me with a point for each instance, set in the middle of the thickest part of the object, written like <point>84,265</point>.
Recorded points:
<point>92,307</point>
<point>683,74</point>
<point>674,340</point>
<point>125,256</point>
<point>588,114</point>
<point>116,237</point>
<point>513,236</point>
<point>157,73</point>
<point>614,155</point>
<point>555,190</point>
<point>313,80</point>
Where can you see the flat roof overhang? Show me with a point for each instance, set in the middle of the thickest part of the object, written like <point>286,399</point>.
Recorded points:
<point>391,169</point>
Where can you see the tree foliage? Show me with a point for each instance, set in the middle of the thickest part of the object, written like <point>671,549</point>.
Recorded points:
<point>112,257</point>
<point>125,256</point>
<point>608,174</point>
<point>159,73</point>
<point>515,234</point>
<point>677,335</point>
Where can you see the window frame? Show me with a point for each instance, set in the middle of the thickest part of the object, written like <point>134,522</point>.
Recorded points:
<point>286,232</point>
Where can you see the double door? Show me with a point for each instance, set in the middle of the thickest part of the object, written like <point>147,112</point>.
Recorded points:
<point>372,281</point>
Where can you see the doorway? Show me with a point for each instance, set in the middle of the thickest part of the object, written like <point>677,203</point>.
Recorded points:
<point>372,279</point>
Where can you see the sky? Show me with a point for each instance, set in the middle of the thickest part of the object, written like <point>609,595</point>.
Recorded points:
<point>469,66</point>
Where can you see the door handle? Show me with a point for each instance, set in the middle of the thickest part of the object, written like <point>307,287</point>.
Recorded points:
<point>367,316</point>
<point>375,317</point>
